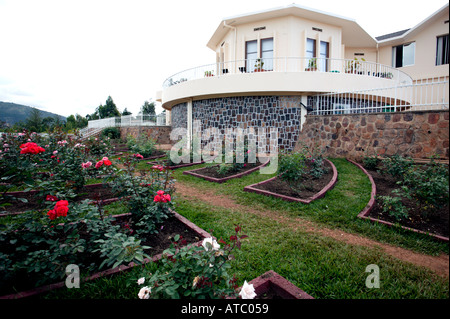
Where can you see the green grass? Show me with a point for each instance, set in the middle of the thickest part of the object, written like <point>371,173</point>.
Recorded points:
<point>321,266</point>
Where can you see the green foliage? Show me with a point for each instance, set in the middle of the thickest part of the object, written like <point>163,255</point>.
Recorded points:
<point>111,132</point>
<point>195,272</point>
<point>142,145</point>
<point>396,165</point>
<point>148,108</point>
<point>291,166</point>
<point>371,162</point>
<point>393,206</point>
<point>118,248</point>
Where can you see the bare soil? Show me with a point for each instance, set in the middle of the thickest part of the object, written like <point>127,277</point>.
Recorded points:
<point>36,202</point>
<point>435,222</point>
<point>307,187</point>
<point>212,171</point>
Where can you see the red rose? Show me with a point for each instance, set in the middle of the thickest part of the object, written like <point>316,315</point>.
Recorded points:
<point>160,192</point>
<point>157,199</point>
<point>107,162</point>
<point>51,198</point>
<point>52,214</point>
<point>99,164</point>
<point>62,203</point>
<point>61,211</point>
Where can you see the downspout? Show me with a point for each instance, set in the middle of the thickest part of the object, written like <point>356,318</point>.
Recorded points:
<point>235,41</point>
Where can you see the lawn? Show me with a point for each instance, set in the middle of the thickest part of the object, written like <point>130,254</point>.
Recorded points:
<point>323,267</point>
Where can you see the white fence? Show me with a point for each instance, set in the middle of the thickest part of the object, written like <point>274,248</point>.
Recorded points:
<point>423,95</point>
<point>291,64</point>
<point>129,120</point>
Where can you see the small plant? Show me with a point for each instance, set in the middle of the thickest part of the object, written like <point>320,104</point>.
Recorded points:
<point>209,73</point>
<point>259,65</point>
<point>194,272</point>
<point>118,248</point>
<point>312,64</point>
<point>371,162</point>
<point>396,165</point>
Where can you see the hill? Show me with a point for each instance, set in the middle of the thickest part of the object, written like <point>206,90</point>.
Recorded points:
<point>12,113</point>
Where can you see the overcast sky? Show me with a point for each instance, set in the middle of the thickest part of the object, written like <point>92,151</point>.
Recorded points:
<point>68,56</point>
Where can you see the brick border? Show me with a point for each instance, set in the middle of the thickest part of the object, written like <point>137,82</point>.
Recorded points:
<point>279,284</point>
<point>252,188</point>
<point>195,173</point>
<point>36,291</point>
<point>364,214</point>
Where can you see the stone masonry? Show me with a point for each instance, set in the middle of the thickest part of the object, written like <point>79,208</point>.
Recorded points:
<point>414,134</point>
<point>161,134</point>
<point>278,112</point>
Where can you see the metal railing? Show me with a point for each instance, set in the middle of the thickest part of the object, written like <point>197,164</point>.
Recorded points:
<point>129,120</point>
<point>423,95</point>
<point>291,64</point>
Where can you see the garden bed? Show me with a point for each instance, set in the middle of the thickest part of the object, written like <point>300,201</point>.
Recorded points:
<point>210,173</point>
<point>176,225</point>
<point>312,188</point>
<point>271,285</point>
<point>436,225</point>
<point>92,191</point>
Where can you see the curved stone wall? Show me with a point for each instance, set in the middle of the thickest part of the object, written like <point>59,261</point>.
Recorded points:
<point>278,112</point>
<point>179,116</point>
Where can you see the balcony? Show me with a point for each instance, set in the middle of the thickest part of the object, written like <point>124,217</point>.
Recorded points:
<point>288,75</point>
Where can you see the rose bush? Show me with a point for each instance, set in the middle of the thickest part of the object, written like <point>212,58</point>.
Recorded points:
<point>196,271</point>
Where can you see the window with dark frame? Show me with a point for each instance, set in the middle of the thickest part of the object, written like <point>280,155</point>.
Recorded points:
<point>267,53</point>
<point>403,55</point>
<point>251,54</point>
<point>442,50</point>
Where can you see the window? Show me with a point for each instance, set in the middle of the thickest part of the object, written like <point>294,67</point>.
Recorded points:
<point>403,55</point>
<point>442,51</point>
<point>310,48</point>
<point>267,53</point>
<point>323,55</point>
<point>251,54</point>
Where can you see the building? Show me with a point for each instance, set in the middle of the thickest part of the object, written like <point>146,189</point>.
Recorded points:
<point>275,66</point>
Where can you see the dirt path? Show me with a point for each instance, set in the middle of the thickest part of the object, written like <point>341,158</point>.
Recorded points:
<point>440,264</point>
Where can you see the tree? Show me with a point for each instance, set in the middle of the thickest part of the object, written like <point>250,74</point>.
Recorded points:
<point>148,108</point>
<point>126,112</point>
<point>107,110</point>
<point>34,121</point>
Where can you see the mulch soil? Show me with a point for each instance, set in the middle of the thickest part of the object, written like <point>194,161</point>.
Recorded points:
<point>212,171</point>
<point>35,202</point>
<point>305,188</point>
<point>436,222</point>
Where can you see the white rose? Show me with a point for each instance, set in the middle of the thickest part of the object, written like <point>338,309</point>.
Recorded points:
<point>141,281</point>
<point>247,291</point>
<point>213,242</point>
<point>144,293</point>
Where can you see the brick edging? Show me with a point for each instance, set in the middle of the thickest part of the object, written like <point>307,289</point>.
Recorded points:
<point>365,212</point>
<point>252,188</point>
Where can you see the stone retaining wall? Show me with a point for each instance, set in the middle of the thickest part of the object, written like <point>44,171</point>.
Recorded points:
<point>414,134</point>
<point>161,134</point>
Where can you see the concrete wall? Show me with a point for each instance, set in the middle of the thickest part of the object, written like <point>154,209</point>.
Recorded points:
<point>414,134</point>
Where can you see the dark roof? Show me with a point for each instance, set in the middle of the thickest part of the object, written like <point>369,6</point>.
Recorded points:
<point>391,35</point>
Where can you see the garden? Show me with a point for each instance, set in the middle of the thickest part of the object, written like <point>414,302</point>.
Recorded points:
<point>137,227</point>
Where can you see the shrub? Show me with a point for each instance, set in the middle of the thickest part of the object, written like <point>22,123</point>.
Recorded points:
<point>371,162</point>
<point>111,132</point>
<point>396,165</point>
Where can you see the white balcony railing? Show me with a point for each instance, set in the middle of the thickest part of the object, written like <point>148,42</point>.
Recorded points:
<point>423,95</point>
<point>291,64</point>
